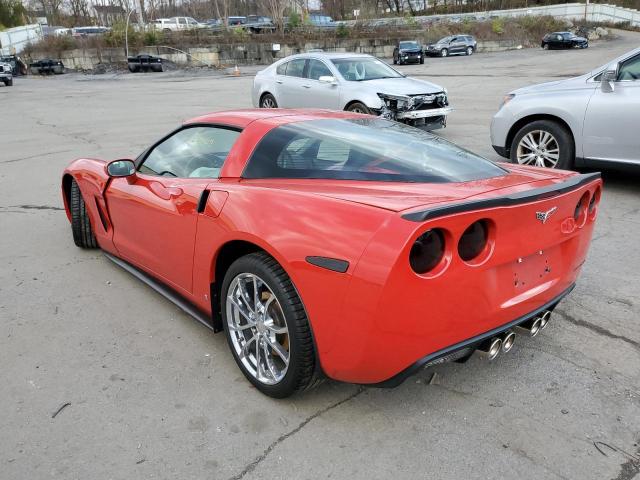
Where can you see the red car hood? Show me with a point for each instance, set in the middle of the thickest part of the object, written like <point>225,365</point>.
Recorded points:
<point>402,196</point>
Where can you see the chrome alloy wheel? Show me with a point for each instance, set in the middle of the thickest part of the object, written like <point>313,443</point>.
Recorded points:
<point>268,102</point>
<point>538,148</point>
<point>257,328</point>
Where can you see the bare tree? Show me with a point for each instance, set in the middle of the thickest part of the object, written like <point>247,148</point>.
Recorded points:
<point>276,9</point>
<point>79,10</point>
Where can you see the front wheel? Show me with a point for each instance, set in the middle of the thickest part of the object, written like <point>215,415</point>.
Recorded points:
<point>358,107</point>
<point>267,327</point>
<point>545,46</point>
<point>83,235</point>
<point>469,50</point>
<point>422,60</point>
<point>268,101</point>
<point>9,83</point>
<point>444,52</point>
<point>543,143</point>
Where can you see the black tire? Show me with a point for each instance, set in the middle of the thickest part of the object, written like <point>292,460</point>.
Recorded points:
<point>444,52</point>
<point>358,107</point>
<point>566,154</point>
<point>545,46</point>
<point>469,51</point>
<point>83,235</point>
<point>422,60</point>
<point>301,371</point>
<point>265,99</point>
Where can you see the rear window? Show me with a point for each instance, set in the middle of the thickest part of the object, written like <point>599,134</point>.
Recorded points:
<point>364,149</point>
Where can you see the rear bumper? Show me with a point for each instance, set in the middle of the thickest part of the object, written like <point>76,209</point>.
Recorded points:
<point>468,345</point>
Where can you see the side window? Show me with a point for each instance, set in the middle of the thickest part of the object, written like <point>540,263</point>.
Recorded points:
<point>193,152</point>
<point>282,68</point>
<point>182,21</point>
<point>318,69</point>
<point>630,69</point>
<point>296,68</point>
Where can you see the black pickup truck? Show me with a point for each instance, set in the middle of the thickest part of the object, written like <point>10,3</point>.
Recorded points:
<point>47,66</point>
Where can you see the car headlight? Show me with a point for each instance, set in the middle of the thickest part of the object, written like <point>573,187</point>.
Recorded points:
<point>507,99</point>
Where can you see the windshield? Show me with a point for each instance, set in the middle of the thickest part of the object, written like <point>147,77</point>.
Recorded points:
<point>364,149</point>
<point>364,68</point>
<point>408,45</point>
<point>445,40</point>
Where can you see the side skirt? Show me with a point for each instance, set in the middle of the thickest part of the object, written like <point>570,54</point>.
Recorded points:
<point>164,290</point>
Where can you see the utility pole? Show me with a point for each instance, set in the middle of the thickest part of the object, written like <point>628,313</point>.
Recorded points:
<point>586,7</point>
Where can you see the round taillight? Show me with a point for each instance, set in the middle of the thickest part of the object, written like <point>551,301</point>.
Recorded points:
<point>427,251</point>
<point>580,213</point>
<point>473,241</point>
<point>595,200</point>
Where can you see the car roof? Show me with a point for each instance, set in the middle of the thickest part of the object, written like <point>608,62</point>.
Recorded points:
<point>242,118</point>
<point>329,55</point>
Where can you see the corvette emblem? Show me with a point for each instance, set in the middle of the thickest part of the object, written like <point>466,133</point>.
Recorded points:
<point>544,216</point>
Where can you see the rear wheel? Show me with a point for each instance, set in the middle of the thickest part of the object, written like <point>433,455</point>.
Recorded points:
<point>83,235</point>
<point>267,327</point>
<point>358,107</point>
<point>543,143</point>
<point>268,101</point>
<point>444,52</point>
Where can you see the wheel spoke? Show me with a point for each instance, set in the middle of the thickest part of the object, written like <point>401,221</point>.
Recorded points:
<point>244,294</point>
<point>240,310</point>
<point>276,329</point>
<point>529,142</point>
<point>279,349</point>
<point>258,366</point>
<point>269,362</point>
<point>245,347</point>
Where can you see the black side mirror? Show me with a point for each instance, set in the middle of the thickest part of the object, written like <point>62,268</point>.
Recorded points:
<point>121,168</point>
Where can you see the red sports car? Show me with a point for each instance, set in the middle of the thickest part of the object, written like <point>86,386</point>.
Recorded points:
<point>337,244</point>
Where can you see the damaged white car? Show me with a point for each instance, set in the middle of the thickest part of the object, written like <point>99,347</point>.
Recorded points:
<point>354,82</point>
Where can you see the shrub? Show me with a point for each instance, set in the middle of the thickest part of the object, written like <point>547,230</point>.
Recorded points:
<point>497,26</point>
<point>342,31</point>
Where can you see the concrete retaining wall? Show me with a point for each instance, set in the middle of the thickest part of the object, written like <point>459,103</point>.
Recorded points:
<point>245,54</point>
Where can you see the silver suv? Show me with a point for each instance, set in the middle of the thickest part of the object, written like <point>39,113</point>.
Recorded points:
<point>591,120</point>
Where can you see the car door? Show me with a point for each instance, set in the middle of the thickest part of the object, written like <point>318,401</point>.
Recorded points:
<point>456,45</point>
<point>611,121</point>
<point>154,212</point>
<point>320,94</point>
<point>291,92</point>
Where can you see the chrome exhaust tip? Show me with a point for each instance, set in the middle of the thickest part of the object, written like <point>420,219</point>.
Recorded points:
<point>531,328</point>
<point>490,349</point>
<point>544,320</point>
<point>508,340</point>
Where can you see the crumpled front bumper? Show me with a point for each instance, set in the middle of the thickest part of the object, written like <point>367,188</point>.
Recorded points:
<point>432,112</point>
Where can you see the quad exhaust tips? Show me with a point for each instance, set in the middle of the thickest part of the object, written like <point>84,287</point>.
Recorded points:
<point>532,327</point>
<point>490,349</point>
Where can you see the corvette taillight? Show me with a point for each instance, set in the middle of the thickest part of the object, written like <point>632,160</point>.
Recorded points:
<point>427,251</point>
<point>473,241</point>
<point>580,213</point>
<point>593,204</point>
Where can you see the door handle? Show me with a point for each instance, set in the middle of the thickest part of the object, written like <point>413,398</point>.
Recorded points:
<point>279,81</point>
<point>306,86</point>
<point>165,193</point>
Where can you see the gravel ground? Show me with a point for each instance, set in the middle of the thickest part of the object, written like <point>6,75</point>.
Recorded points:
<point>152,394</point>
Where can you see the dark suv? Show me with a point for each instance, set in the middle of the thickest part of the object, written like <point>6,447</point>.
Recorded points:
<point>452,45</point>
<point>405,52</point>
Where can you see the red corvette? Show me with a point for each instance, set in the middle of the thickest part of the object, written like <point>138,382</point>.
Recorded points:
<point>337,244</point>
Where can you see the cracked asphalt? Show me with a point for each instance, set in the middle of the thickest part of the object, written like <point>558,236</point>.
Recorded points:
<point>153,394</point>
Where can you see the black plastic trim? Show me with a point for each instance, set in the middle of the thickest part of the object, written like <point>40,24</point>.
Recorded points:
<point>473,341</point>
<point>502,151</point>
<point>518,198</point>
<point>333,264</point>
<point>202,201</point>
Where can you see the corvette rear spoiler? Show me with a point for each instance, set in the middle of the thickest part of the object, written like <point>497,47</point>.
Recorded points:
<point>518,198</point>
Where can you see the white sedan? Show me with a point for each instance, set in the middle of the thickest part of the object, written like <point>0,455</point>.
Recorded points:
<point>353,82</point>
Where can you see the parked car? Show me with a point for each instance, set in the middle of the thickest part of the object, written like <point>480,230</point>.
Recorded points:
<point>563,40</point>
<point>354,82</point>
<point>6,76</point>
<point>337,244</point>
<point>320,20</point>
<point>18,66</point>
<point>408,51</point>
<point>258,24</point>
<point>590,120</point>
<point>89,31</point>
<point>144,63</point>
<point>47,66</point>
<point>452,45</point>
<point>175,24</point>
<point>234,21</point>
